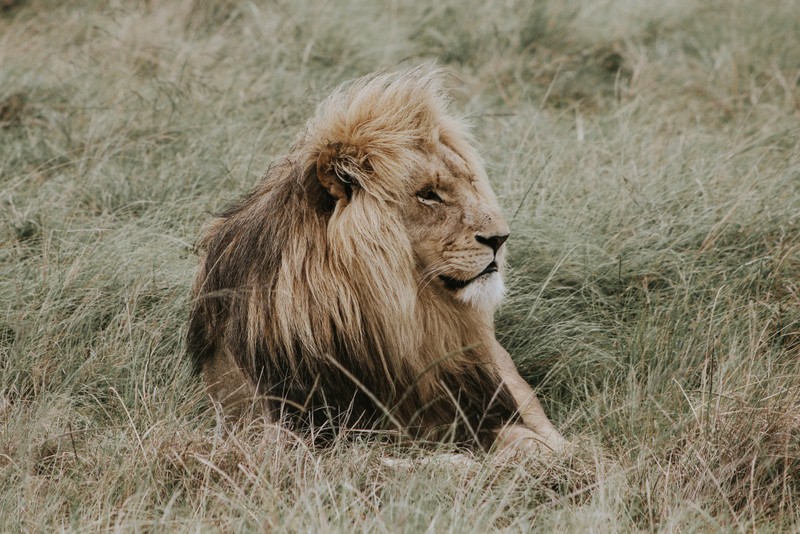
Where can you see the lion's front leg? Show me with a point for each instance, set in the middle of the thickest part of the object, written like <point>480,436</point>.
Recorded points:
<point>531,410</point>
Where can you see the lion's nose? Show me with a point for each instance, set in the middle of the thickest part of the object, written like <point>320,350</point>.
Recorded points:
<point>495,241</point>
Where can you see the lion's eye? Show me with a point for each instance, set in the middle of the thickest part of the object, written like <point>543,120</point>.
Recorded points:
<point>429,197</point>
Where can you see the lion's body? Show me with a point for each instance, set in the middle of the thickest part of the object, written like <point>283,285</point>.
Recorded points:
<point>327,296</point>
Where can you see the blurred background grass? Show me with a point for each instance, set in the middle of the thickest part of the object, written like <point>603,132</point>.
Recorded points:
<point>647,157</point>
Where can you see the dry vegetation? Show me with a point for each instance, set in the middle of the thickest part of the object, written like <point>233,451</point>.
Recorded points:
<point>647,154</point>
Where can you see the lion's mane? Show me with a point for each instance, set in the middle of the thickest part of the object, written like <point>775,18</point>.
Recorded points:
<point>320,306</point>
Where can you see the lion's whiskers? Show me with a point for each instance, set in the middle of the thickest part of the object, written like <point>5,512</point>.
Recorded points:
<point>430,273</point>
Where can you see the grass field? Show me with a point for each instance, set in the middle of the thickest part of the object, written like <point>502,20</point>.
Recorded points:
<point>647,156</point>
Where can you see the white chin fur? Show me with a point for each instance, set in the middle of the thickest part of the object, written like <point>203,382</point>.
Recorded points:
<point>487,291</point>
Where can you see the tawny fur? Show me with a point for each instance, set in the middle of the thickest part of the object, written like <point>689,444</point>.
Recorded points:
<point>354,286</point>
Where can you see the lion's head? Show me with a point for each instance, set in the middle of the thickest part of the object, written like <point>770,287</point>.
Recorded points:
<point>386,146</point>
<point>364,270</point>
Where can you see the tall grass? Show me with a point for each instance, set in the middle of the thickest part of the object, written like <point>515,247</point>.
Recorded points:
<point>647,157</point>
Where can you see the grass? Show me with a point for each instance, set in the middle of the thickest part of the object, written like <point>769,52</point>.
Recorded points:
<point>648,158</point>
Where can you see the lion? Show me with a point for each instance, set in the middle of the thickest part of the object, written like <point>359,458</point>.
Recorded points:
<point>355,286</point>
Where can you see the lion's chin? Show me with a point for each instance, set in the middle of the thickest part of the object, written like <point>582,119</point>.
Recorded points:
<point>486,291</point>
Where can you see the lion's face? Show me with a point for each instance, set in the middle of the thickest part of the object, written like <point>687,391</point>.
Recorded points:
<point>456,229</point>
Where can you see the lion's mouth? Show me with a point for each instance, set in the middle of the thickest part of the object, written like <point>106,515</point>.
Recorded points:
<point>454,284</point>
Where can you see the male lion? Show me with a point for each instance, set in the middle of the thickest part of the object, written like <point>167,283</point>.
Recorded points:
<point>355,287</point>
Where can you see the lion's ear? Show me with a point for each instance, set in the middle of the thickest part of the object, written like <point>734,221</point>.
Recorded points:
<point>338,172</point>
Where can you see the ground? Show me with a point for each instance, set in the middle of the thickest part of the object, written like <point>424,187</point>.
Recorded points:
<point>647,156</point>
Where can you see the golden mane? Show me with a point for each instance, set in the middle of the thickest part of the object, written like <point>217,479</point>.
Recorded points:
<point>309,298</point>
